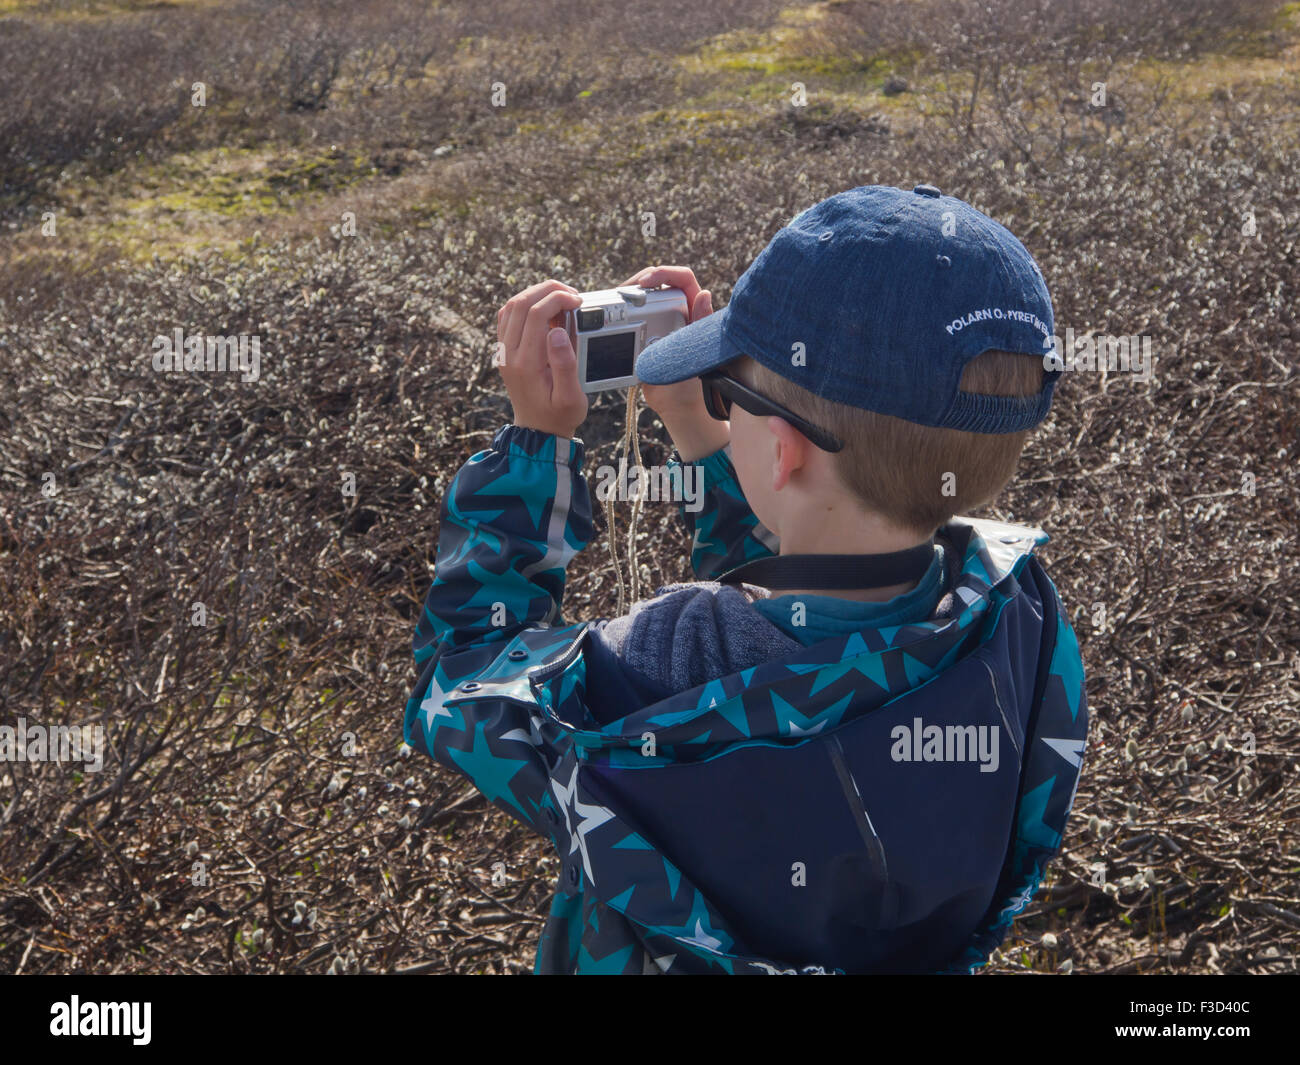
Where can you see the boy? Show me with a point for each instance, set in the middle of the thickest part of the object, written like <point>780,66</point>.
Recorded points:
<point>854,744</point>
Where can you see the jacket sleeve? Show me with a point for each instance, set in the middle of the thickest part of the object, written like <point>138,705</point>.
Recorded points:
<point>726,531</point>
<point>1048,782</point>
<point>513,518</point>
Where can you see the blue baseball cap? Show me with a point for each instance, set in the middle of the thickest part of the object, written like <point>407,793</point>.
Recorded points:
<point>878,298</point>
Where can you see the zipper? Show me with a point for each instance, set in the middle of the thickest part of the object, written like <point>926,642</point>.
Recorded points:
<point>875,849</point>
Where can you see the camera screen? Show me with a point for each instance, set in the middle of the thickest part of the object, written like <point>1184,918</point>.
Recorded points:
<point>612,355</point>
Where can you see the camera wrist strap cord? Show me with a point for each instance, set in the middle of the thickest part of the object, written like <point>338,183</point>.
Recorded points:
<point>631,443</point>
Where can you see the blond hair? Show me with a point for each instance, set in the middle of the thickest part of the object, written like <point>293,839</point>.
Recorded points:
<point>899,469</point>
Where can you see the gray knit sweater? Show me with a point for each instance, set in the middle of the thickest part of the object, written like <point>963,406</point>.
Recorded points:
<point>691,633</point>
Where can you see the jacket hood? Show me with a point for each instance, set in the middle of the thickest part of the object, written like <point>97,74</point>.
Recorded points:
<point>834,680</point>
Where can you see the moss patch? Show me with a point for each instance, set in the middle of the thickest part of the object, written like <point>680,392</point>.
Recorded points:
<point>202,200</point>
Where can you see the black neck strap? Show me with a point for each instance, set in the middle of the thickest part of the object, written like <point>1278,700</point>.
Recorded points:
<point>836,571</point>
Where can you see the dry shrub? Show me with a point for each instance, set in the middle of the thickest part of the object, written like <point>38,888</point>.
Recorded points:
<point>225,737</point>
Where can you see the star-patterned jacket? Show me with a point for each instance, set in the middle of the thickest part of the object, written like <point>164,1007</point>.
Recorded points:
<point>884,801</point>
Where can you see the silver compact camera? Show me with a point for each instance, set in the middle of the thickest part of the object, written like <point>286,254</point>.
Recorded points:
<point>612,327</point>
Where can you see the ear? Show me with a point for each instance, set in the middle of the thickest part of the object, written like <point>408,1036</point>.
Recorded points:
<point>789,451</point>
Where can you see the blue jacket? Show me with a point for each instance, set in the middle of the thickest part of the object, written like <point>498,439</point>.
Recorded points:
<point>885,801</point>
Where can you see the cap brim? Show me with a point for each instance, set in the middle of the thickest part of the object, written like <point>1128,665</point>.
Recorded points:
<point>690,351</point>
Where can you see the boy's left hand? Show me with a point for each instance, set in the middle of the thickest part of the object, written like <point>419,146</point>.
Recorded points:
<point>537,361</point>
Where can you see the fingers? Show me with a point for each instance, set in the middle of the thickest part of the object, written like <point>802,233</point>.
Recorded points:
<point>528,351</point>
<point>566,389</point>
<point>682,277</point>
<point>511,318</point>
<point>703,305</point>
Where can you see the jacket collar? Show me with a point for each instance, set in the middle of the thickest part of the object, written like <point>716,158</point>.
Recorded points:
<point>540,667</point>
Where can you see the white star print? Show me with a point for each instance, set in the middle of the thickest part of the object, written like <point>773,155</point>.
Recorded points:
<point>1070,750</point>
<point>703,939</point>
<point>592,818</point>
<point>432,706</point>
<point>653,966</point>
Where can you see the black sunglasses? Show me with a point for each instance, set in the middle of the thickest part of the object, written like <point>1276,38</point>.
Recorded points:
<point>720,391</point>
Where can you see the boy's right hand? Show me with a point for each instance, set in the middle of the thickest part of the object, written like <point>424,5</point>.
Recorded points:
<point>684,395</point>
<point>681,406</point>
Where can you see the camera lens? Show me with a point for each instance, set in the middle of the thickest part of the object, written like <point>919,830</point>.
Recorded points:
<point>588,320</point>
